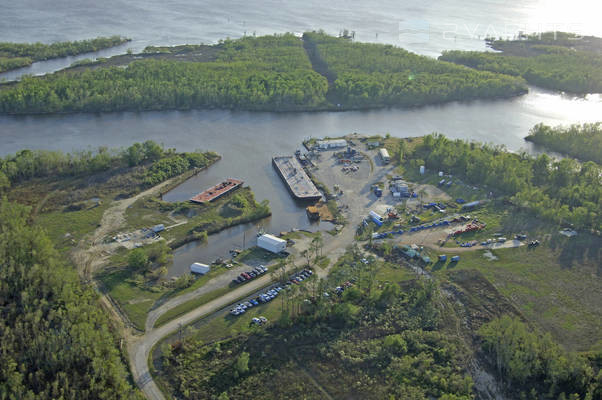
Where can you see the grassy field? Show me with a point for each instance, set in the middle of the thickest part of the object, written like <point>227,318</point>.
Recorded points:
<point>134,301</point>
<point>67,228</point>
<point>256,255</point>
<point>136,297</point>
<point>558,298</point>
<point>190,305</point>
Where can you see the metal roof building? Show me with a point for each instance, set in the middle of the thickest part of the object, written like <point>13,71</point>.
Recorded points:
<point>331,144</point>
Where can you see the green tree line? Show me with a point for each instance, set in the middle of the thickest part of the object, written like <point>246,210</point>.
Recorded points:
<point>375,75</point>
<point>563,191</point>
<point>262,73</point>
<point>583,142</point>
<point>56,342</point>
<point>16,55</point>
<point>547,62</point>
<point>163,164</point>
<point>537,367</point>
<point>267,73</point>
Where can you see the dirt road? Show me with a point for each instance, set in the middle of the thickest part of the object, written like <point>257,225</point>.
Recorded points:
<point>91,252</point>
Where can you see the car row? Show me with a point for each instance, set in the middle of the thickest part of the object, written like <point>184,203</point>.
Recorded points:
<point>299,277</point>
<point>247,276</point>
<point>241,308</point>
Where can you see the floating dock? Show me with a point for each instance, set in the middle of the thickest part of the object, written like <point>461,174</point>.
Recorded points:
<point>297,181</point>
<point>217,191</point>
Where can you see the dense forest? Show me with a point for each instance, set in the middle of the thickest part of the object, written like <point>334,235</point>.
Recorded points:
<point>16,55</point>
<point>56,342</point>
<point>563,191</point>
<point>539,366</point>
<point>371,342</point>
<point>553,61</point>
<point>265,73</point>
<point>374,75</point>
<point>583,142</point>
<point>162,164</point>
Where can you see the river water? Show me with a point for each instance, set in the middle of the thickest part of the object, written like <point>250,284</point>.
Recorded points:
<point>246,140</point>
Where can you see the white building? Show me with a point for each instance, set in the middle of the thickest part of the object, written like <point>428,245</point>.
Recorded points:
<point>271,243</point>
<point>331,144</point>
<point>198,268</point>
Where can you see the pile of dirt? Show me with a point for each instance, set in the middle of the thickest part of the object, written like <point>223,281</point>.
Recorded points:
<point>320,211</point>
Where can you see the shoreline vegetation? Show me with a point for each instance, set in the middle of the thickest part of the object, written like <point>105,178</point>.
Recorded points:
<point>18,55</point>
<point>583,142</point>
<point>269,73</point>
<point>552,60</point>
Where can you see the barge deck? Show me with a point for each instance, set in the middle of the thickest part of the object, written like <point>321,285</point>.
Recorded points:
<point>217,191</point>
<point>295,178</point>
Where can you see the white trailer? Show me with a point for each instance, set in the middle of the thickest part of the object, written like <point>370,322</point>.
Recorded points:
<point>271,243</point>
<point>198,268</point>
<point>384,155</point>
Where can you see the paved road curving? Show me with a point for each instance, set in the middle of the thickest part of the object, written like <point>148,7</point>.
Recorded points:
<point>139,349</point>
<point>218,282</point>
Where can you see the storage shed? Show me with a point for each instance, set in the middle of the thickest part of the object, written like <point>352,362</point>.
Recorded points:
<point>198,268</point>
<point>271,243</point>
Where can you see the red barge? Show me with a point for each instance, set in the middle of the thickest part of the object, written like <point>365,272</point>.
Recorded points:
<point>217,191</point>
